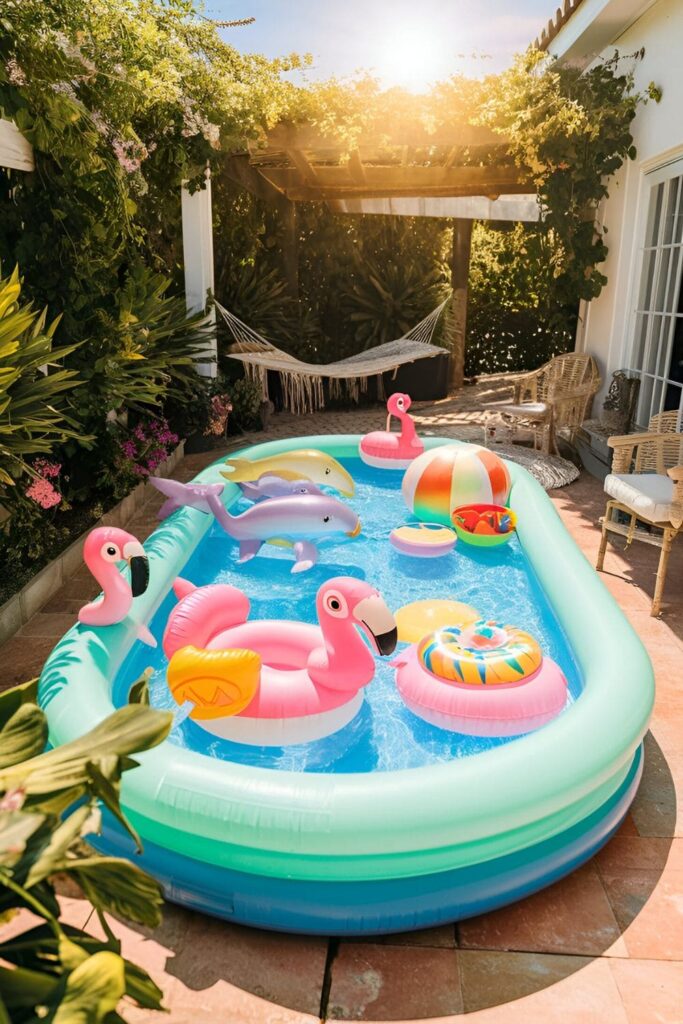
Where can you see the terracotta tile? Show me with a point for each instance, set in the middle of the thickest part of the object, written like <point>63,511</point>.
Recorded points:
<point>654,808</point>
<point>588,996</point>
<point>442,937</point>
<point>650,990</point>
<point>191,954</point>
<point>23,657</point>
<point>375,982</point>
<point>492,978</point>
<point>627,852</point>
<point>572,916</point>
<point>649,908</point>
<point>628,827</point>
<point>47,624</point>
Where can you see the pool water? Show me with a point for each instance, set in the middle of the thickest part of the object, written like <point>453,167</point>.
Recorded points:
<point>385,735</point>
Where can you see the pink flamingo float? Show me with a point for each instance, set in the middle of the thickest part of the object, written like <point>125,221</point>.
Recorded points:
<point>272,682</point>
<point>387,450</point>
<point>105,547</point>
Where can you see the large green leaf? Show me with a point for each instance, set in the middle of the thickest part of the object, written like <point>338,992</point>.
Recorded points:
<point>23,736</point>
<point>116,885</point>
<point>12,699</point>
<point>128,730</point>
<point>92,990</point>
<point>38,949</point>
<point>16,829</point>
<point>20,987</point>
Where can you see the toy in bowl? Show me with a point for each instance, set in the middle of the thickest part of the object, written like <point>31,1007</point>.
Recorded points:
<point>484,526</point>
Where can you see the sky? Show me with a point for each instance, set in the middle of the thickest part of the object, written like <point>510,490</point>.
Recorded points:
<point>410,43</point>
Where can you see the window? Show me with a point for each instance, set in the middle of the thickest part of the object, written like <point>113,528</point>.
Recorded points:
<point>657,349</point>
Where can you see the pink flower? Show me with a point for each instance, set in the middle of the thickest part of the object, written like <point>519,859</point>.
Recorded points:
<point>48,470</point>
<point>43,493</point>
<point>129,449</point>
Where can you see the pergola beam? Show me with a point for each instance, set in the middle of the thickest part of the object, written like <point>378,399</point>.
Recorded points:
<point>336,182</point>
<point>490,190</point>
<point>307,137</point>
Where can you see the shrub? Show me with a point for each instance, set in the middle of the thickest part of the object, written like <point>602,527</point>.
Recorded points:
<point>33,385</point>
<point>48,802</point>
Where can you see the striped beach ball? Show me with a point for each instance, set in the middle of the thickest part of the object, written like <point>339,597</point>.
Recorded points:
<point>440,480</point>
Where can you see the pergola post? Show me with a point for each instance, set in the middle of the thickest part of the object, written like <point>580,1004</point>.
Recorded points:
<point>198,262</point>
<point>460,272</point>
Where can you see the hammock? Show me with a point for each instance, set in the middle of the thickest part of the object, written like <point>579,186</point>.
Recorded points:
<point>302,383</point>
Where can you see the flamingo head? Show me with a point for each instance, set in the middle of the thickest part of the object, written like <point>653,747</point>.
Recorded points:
<point>398,404</point>
<point>345,599</point>
<point>107,545</point>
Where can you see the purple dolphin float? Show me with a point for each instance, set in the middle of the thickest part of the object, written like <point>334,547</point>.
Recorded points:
<point>293,518</point>
<point>271,486</point>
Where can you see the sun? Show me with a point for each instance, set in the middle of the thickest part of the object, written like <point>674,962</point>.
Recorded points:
<point>414,56</point>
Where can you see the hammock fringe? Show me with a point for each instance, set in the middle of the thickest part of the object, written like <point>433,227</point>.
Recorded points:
<point>302,383</point>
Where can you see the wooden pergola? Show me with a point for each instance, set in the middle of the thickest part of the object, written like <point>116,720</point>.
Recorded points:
<point>461,172</point>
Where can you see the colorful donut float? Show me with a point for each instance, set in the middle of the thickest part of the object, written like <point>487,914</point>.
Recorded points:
<point>482,679</point>
<point>424,540</point>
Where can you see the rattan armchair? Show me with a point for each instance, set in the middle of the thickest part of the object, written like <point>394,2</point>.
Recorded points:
<point>556,397</point>
<point>646,485</point>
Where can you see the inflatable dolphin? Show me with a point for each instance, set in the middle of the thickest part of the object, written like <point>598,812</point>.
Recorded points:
<point>304,464</point>
<point>271,486</point>
<point>293,519</point>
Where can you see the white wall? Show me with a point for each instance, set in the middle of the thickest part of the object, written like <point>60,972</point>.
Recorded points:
<point>658,137</point>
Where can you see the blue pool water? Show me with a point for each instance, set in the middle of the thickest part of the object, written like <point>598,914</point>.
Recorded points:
<point>385,735</point>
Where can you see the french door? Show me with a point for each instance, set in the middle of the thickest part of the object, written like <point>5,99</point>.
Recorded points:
<point>657,344</point>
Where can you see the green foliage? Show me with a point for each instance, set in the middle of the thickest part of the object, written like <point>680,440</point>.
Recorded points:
<point>246,396</point>
<point>32,413</point>
<point>570,129</point>
<point>143,353</point>
<point>389,299</point>
<point>48,802</point>
<point>512,320</point>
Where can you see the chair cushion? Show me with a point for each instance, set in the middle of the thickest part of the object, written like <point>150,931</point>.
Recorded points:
<point>650,495</point>
<point>530,410</point>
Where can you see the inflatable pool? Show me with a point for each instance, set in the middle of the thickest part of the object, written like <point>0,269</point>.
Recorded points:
<point>392,823</point>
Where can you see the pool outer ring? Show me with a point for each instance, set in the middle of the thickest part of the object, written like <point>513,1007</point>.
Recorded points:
<point>407,823</point>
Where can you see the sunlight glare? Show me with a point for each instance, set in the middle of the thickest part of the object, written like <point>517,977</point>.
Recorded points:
<point>413,56</point>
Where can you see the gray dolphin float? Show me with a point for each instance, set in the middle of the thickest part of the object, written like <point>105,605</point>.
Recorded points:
<point>292,519</point>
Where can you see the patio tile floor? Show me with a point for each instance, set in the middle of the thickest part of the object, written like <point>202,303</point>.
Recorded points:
<point>604,946</point>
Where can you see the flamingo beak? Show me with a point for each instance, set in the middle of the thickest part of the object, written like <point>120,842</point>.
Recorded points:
<point>135,555</point>
<point>355,531</point>
<point>377,623</point>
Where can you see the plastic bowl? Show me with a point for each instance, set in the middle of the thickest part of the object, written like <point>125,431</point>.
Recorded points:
<point>483,540</point>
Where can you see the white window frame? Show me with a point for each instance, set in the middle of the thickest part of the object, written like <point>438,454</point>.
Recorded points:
<point>672,168</point>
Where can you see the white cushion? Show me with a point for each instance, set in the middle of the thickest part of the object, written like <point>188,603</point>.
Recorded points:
<point>648,494</point>
<point>532,410</point>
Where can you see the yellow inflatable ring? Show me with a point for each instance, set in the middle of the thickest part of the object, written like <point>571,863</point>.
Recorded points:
<point>415,620</point>
<point>484,653</point>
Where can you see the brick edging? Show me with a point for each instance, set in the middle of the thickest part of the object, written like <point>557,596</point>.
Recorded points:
<point>16,612</point>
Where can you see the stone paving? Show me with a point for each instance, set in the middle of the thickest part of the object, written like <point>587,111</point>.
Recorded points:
<point>603,946</point>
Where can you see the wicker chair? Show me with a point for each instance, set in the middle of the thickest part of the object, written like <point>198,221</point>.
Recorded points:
<point>557,396</point>
<point>646,485</point>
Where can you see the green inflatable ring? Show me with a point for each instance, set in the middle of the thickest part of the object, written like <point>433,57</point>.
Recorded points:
<point>403,823</point>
